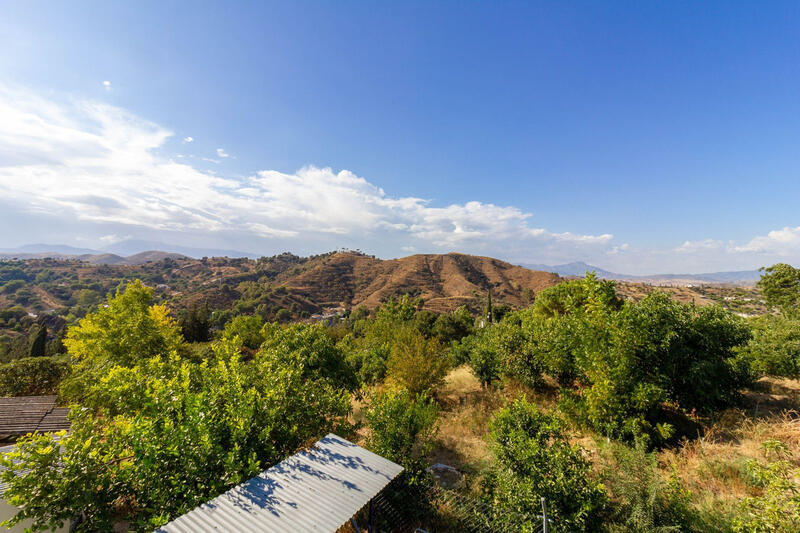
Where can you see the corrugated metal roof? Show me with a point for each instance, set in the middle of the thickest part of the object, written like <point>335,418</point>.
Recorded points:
<point>25,414</point>
<point>317,490</point>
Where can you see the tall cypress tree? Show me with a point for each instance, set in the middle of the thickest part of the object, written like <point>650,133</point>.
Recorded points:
<point>39,342</point>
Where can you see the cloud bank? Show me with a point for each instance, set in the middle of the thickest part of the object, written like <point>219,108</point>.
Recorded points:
<point>103,170</point>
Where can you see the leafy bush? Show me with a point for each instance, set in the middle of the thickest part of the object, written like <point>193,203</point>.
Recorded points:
<point>416,363</point>
<point>33,376</point>
<point>653,352</point>
<point>247,328</point>
<point>777,509</point>
<point>453,326</point>
<point>369,364</point>
<point>775,346</point>
<point>310,347</point>
<point>164,434</point>
<point>535,460</point>
<point>780,285</point>
<point>402,427</point>
<point>125,332</point>
<point>645,501</point>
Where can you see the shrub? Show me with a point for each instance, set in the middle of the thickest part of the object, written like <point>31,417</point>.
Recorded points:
<point>775,346</point>
<point>126,332</point>
<point>416,363</point>
<point>780,285</point>
<point>33,376</point>
<point>777,509</point>
<point>645,501</point>
<point>247,328</point>
<point>167,434</point>
<point>309,347</point>
<point>534,460</point>
<point>402,427</point>
<point>651,353</point>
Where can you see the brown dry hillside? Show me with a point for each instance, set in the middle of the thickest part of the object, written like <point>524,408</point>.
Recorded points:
<point>443,281</point>
<point>301,285</point>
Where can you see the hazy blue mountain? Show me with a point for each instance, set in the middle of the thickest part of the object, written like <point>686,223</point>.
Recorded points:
<point>579,268</point>
<point>61,249</point>
<point>131,247</point>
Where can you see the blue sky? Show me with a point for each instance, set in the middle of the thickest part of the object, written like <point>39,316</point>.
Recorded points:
<point>640,136</point>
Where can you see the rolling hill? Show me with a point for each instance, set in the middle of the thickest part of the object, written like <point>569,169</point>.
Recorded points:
<point>302,285</point>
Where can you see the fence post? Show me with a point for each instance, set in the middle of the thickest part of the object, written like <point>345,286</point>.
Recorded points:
<point>545,523</point>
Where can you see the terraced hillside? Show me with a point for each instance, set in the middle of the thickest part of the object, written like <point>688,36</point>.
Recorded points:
<point>299,285</point>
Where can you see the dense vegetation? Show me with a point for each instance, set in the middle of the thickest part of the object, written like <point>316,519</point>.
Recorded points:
<point>172,408</point>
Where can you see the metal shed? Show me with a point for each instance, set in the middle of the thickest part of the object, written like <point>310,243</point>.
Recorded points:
<point>317,490</point>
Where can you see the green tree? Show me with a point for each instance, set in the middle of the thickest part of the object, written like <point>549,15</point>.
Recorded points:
<point>402,427</point>
<point>313,348</point>
<point>775,346</point>
<point>780,285</point>
<point>454,326</point>
<point>125,332</point>
<point>38,344</point>
<point>248,328</point>
<point>195,323</point>
<point>656,351</point>
<point>165,434</point>
<point>416,363</point>
<point>536,460</point>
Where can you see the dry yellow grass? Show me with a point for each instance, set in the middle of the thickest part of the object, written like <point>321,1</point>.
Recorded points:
<point>711,466</point>
<point>466,412</point>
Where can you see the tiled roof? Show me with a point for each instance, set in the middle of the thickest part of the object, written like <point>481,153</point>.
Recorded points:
<point>26,414</point>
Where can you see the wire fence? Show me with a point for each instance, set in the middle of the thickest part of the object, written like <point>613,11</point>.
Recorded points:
<point>404,509</point>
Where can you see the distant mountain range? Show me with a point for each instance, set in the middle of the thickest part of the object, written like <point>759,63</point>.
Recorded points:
<point>136,252</point>
<point>741,277</point>
<point>95,257</point>
<point>131,252</point>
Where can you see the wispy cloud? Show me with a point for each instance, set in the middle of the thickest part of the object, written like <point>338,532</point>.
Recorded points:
<point>107,85</point>
<point>784,242</point>
<point>188,139</point>
<point>96,163</point>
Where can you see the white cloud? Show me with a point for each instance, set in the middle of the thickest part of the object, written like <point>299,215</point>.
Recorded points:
<point>689,247</point>
<point>111,239</point>
<point>781,242</point>
<point>188,139</point>
<point>107,85</point>
<point>96,163</point>
<point>96,166</point>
